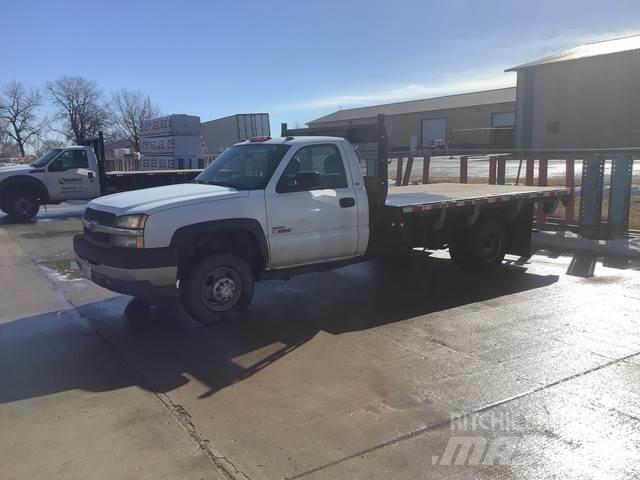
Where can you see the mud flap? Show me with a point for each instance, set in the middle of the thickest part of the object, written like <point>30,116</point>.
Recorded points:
<point>518,232</point>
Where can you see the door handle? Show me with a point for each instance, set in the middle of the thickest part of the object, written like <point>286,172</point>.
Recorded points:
<point>347,202</point>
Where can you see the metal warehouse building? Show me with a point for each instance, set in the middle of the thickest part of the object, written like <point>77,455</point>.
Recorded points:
<point>585,97</point>
<point>469,120</point>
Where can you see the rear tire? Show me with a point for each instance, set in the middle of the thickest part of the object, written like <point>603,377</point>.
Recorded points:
<point>22,205</point>
<point>217,289</point>
<point>485,247</point>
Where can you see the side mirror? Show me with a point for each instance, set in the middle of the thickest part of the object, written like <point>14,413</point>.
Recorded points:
<point>307,180</point>
<point>90,175</point>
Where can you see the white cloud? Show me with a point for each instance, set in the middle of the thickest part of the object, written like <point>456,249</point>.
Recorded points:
<point>455,83</point>
<point>569,39</point>
<point>464,81</point>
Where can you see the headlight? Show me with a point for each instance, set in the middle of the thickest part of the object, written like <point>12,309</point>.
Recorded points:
<point>133,222</point>
<point>131,234</point>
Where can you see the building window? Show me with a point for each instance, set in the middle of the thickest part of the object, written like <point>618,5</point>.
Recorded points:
<point>553,128</point>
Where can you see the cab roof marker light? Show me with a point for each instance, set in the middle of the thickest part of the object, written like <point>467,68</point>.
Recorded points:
<point>259,138</point>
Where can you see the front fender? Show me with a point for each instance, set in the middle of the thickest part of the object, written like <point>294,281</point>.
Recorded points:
<point>18,180</point>
<point>184,234</point>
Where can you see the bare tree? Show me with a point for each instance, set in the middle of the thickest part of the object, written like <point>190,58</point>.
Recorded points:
<point>19,114</point>
<point>79,107</point>
<point>128,110</point>
<point>47,144</point>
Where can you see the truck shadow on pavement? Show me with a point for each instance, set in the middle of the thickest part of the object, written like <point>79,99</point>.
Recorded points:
<point>96,348</point>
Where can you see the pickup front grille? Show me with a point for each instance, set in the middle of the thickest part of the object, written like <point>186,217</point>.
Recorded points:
<point>102,218</point>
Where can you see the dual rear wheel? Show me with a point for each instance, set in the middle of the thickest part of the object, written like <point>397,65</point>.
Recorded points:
<point>482,248</point>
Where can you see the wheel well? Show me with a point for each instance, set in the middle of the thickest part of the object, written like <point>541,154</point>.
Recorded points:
<point>33,186</point>
<point>241,243</point>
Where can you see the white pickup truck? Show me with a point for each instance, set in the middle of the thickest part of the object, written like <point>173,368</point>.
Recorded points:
<point>275,207</point>
<point>72,173</point>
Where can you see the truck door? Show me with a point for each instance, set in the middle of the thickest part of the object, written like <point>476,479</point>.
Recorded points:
<point>69,177</point>
<point>312,214</point>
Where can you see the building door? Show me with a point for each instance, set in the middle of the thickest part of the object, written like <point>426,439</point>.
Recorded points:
<point>503,127</point>
<point>434,132</point>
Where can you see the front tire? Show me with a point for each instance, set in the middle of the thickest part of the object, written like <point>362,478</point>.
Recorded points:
<point>22,205</point>
<point>217,289</point>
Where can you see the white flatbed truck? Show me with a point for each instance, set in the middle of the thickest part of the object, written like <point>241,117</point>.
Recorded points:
<point>276,207</point>
<point>73,173</point>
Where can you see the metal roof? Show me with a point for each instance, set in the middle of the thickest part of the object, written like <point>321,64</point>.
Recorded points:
<point>501,95</point>
<point>617,45</point>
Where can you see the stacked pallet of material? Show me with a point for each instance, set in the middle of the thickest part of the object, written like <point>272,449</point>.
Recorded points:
<point>171,142</point>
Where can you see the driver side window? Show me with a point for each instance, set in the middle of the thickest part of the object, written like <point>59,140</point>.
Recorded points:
<point>315,167</point>
<point>69,160</point>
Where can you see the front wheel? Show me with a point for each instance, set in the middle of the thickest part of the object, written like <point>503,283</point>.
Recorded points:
<point>218,288</point>
<point>22,205</point>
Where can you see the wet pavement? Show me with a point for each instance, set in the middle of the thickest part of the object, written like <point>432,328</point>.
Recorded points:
<point>406,369</point>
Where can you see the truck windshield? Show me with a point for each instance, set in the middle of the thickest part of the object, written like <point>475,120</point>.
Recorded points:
<point>43,160</point>
<point>244,167</point>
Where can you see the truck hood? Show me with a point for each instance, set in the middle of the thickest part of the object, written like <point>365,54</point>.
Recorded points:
<point>14,170</point>
<point>151,200</point>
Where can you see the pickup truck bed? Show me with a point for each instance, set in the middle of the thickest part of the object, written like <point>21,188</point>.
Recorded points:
<point>419,198</point>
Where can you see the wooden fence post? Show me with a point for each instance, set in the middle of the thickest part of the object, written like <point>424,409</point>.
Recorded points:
<point>464,169</point>
<point>529,171</point>
<point>399,171</point>
<point>407,172</point>
<point>426,163</point>
<point>492,170</point>
<point>502,168</point>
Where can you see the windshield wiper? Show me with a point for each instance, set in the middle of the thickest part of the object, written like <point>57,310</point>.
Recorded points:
<point>221,184</point>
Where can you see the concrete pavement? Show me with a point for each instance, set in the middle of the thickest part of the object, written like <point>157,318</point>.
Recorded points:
<point>355,373</point>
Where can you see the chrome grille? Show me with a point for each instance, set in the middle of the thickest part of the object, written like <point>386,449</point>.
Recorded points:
<point>101,218</point>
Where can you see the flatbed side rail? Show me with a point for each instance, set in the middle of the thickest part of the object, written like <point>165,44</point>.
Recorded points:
<point>487,200</point>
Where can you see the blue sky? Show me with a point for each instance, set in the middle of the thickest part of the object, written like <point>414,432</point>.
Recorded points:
<point>296,60</point>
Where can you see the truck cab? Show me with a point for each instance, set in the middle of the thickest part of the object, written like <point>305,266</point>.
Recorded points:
<point>72,174</point>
